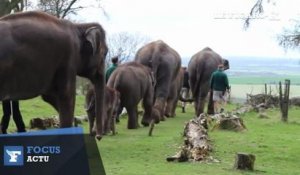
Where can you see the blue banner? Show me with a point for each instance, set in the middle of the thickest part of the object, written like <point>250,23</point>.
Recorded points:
<point>50,152</point>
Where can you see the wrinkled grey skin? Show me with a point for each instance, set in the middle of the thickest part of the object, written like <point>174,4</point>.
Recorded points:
<point>111,106</point>
<point>165,63</point>
<point>200,68</point>
<point>174,95</point>
<point>41,55</point>
<point>134,82</point>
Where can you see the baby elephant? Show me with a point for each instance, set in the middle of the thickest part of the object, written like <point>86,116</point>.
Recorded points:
<point>135,82</point>
<point>111,106</point>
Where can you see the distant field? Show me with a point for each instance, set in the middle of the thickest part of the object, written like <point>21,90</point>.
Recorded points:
<point>242,85</point>
<point>239,91</point>
<point>248,79</point>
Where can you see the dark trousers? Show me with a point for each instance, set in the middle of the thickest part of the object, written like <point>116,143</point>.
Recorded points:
<point>11,108</point>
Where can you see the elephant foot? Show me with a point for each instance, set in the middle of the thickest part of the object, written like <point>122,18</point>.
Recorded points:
<point>145,123</point>
<point>92,133</point>
<point>168,115</point>
<point>132,126</point>
<point>98,137</point>
<point>162,118</point>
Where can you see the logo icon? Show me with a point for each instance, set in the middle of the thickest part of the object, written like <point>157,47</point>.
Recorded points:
<point>13,156</point>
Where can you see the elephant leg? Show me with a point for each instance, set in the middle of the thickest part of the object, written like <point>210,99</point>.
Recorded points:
<point>168,108</point>
<point>196,105</point>
<point>107,121</point>
<point>66,105</point>
<point>66,99</point>
<point>6,116</point>
<point>132,117</point>
<point>91,117</point>
<point>17,116</point>
<point>173,110</point>
<point>202,100</point>
<point>159,106</point>
<point>52,100</point>
<point>147,104</point>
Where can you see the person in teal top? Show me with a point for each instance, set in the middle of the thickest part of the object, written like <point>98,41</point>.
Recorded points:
<point>219,85</point>
<point>111,68</point>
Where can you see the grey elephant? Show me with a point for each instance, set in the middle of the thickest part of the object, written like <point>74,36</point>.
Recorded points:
<point>134,82</point>
<point>41,55</point>
<point>111,106</point>
<point>200,68</point>
<point>174,95</point>
<point>165,63</point>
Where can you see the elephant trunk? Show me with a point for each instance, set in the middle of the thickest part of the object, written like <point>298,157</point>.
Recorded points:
<point>99,91</point>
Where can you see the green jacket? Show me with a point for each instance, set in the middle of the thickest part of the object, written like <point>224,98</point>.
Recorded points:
<point>219,81</point>
<point>109,71</point>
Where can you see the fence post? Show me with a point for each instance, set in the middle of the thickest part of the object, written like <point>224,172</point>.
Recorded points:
<point>284,100</point>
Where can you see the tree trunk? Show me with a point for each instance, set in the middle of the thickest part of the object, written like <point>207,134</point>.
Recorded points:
<point>196,143</point>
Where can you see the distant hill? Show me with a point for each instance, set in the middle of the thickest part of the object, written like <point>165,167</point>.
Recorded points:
<point>255,70</point>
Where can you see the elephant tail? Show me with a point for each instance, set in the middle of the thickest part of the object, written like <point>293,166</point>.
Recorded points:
<point>199,72</point>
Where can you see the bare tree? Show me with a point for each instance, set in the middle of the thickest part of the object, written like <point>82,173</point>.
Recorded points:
<point>11,6</point>
<point>255,11</point>
<point>124,45</point>
<point>289,38</point>
<point>59,8</point>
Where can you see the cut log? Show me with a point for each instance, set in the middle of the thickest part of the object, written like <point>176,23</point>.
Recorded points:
<point>44,123</point>
<point>244,161</point>
<point>196,143</point>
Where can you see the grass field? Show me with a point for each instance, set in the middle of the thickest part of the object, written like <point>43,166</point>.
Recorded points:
<point>132,152</point>
<point>248,79</point>
<point>242,85</point>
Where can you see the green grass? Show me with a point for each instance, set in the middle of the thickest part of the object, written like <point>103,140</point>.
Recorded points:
<point>131,152</point>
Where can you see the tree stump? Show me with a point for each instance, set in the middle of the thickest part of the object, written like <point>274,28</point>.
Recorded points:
<point>230,122</point>
<point>244,161</point>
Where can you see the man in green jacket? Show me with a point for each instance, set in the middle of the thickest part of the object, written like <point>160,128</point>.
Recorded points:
<point>111,68</point>
<point>219,85</point>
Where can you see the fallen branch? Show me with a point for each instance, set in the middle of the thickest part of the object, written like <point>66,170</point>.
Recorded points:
<point>196,143</point>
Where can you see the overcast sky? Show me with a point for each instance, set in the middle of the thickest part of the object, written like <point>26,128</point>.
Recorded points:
<point>190,25</point>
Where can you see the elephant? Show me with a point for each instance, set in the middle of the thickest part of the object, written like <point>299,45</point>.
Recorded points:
<point>111,106</point>
<point>41,55</point>
<point>200,68</point>
<point>165,64</point>
<point>134,82</point>
<point>174,95</point>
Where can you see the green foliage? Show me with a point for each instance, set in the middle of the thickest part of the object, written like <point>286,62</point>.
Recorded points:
<point>132,152</point>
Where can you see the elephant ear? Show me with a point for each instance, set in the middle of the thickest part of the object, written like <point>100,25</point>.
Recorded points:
<point>225,62</point>
<point>92,35</point>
